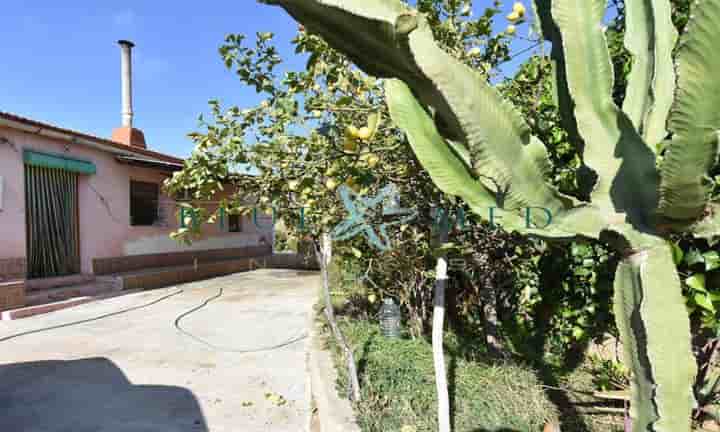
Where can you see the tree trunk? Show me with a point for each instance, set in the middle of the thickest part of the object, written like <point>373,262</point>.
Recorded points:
<point>437,340</point>
<point>324,255</point>
<point>491,322</point>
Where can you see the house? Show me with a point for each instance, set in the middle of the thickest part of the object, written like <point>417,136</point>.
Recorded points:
<point>74,206</point>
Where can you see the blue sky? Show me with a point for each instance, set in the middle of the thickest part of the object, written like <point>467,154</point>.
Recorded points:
<point>62,63</point>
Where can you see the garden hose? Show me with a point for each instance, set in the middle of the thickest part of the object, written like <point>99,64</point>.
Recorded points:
<point>224,349</point>
<point>176,324</point>
<point>107,315</point>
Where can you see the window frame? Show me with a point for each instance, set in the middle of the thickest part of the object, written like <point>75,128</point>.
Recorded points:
<point>230,224</point>
<point>134,184</point>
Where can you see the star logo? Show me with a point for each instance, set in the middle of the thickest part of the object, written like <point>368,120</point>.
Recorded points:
<point>362,210</point>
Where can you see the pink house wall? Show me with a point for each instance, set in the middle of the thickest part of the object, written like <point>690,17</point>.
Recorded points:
<point>104,206</point>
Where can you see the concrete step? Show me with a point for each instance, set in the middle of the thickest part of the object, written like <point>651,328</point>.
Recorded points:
<point>51,295</point>
<point>60,281</point>
<point>29,311</point>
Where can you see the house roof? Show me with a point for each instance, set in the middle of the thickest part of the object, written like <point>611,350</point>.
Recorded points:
<point>15,121</point>
<point>149,163</point>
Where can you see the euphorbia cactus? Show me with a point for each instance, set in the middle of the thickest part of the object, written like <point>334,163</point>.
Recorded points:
<point>649,158</point>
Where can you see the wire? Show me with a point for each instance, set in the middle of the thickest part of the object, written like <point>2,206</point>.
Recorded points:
<point>107,315</point>
<point>223,349</point>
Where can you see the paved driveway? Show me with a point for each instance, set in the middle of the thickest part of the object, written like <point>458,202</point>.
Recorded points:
<point>138,371</point>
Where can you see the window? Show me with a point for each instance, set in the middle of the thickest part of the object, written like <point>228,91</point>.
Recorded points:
<point>234,223</point>
<point>143,203</point>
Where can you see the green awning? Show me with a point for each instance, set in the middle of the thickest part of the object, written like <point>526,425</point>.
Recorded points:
<point>47,160</point>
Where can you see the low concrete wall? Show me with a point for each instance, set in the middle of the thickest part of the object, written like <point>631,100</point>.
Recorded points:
<point>12,295</point>
<point>104,266</point>
<point>293,261</point>
<point>12,268</point>
<point>174,275</point>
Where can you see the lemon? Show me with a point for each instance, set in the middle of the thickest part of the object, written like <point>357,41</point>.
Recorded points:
<point>364,133</point>
<point>372,298</point>
<point>293,184</point>
<point>350,144</point>
<point>510,29</point>
<point>373,160</point>
<point>331,184</point>
<point>519,8</point>
<point>513,16</point>
<point>352,130</point>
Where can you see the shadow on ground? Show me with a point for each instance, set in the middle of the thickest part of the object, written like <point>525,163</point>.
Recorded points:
<point>91,394</point>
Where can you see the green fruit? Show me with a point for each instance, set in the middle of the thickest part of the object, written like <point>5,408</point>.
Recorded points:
<point>331,184</point>
<point>364,133</point>
<point>350,144</point>
<point>372,160</point>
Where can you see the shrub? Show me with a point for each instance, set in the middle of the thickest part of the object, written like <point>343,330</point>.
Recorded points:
<point>398,387</point>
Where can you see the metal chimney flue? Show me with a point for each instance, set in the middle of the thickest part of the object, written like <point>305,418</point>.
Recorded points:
<point>127,134</point>
<point>126,81</point>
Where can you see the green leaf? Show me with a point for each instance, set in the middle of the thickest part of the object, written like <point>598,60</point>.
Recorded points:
<point>694,257</point>
<point>702,300</point>
<point>373,122</point>
<point>696,282</point>
<point>712,260</point>
<point>678,253</point>
<point>343,101</point>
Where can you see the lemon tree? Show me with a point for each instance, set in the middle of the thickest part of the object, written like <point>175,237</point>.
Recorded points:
<point>318,129</point>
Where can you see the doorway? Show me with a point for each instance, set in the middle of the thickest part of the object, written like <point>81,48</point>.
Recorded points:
<point>52,232</point>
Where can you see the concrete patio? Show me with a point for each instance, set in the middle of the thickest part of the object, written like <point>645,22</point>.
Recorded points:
<point>238,363</point>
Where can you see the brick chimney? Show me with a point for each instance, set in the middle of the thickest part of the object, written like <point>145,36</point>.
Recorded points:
<point>126,134</point>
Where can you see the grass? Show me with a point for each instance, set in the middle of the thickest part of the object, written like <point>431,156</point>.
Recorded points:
<point>398,387</point>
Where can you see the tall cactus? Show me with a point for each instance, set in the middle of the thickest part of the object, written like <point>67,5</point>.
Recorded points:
<point>477,146</point>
